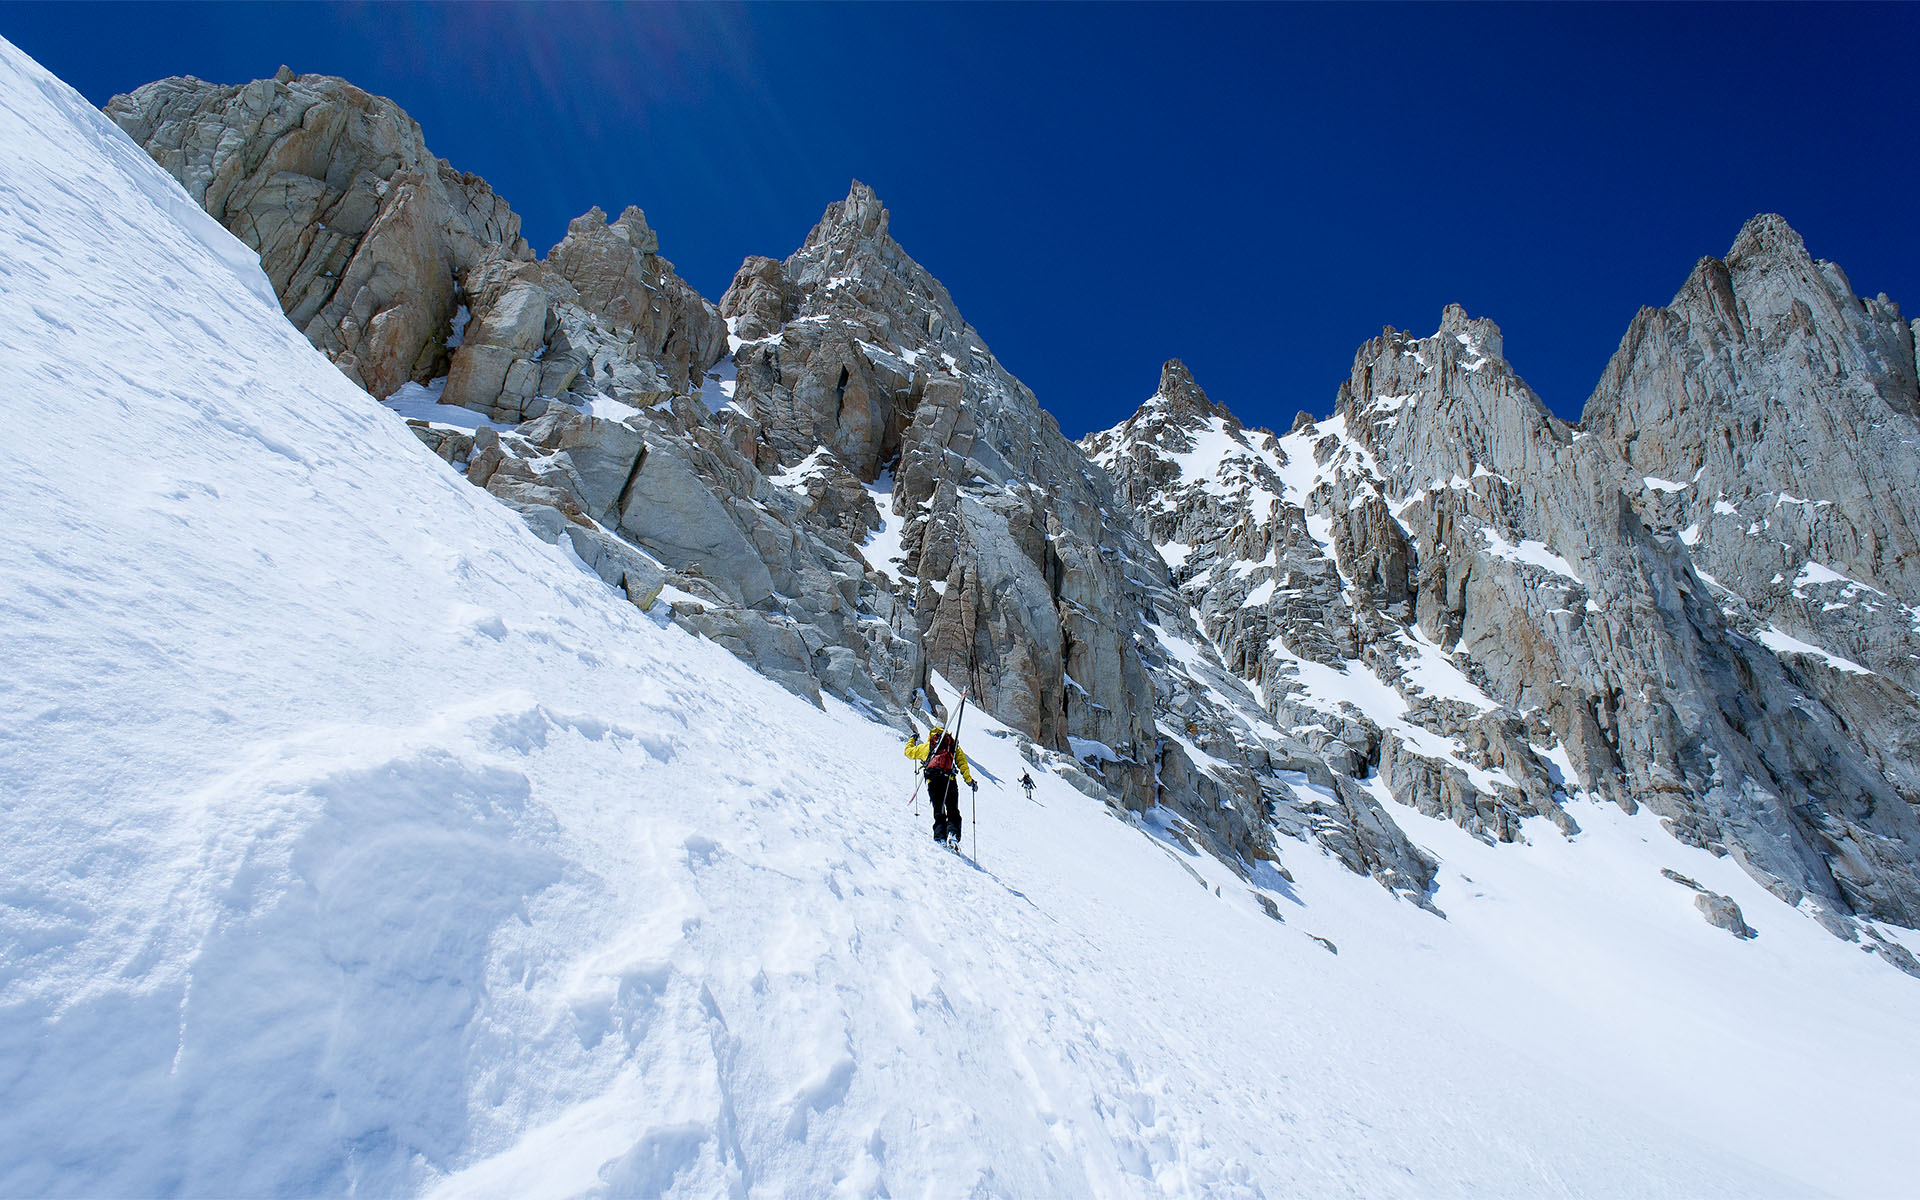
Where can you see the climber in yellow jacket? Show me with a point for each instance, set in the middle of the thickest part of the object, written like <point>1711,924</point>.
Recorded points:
<point>940,756</point>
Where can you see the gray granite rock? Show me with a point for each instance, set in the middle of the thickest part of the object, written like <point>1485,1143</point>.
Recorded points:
<point>1722,913</point>
<point>1490,610</point>
<point>615,272</point>
<point>1022,575</point>
<point>1774,421</point>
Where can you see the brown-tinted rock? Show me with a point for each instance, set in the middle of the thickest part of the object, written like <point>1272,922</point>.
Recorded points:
<point>363,233</point>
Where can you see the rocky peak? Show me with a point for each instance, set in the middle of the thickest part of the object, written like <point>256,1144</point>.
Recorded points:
<point>631,226</point>
<point>1769,415</point>
<point>1428,410</point>
<point>850,267</point>
<point>1479,337</point>
<point>1767,241</point>
<point>861,215</point>
<point>849,243</point>
<point>1183,400</point>
<point>1180,449</point>
<point>1167,421</point>
<point>1768,285</point>
<point>887,336</point>
<point>1177,382</point>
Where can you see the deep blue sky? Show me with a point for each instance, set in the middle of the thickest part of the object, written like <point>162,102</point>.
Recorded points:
<point>1254,189</point>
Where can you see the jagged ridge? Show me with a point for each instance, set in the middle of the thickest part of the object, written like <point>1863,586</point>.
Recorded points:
<point>1531,599</point>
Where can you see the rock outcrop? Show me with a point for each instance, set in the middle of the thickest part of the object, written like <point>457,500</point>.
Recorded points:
<point>613,271</point>
<point>402,269</point>
<point>365,235</point>
<point>1719,911</point>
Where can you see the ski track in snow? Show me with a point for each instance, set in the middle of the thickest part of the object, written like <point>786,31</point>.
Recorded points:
<point>359,843</point>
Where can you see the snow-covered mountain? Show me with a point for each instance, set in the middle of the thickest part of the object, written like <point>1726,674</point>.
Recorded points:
<point>1493,610</point>
<point>1441,597</point>
<point>1446,562</point>
<point>363,838</point>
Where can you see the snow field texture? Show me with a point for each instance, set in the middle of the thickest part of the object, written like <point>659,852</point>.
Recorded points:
<point>359,842</point>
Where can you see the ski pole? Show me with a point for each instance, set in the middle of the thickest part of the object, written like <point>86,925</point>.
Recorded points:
<point>913,797</point>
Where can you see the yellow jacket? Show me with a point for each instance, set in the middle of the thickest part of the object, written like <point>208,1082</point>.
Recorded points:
<point>918,751</point>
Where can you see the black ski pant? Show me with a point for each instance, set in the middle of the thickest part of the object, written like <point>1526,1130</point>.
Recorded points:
<point>944,794</point>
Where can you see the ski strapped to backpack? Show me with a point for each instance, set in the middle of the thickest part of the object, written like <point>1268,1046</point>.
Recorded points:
<point>940,750</point>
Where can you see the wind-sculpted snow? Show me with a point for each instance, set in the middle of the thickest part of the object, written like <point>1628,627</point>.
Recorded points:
<point>359,841</point>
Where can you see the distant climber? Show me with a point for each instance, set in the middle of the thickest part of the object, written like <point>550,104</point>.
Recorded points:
<point>1026,783</point>
<point>940,756</point>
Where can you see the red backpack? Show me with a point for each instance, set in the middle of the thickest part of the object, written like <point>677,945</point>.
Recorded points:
<point>940,753</point>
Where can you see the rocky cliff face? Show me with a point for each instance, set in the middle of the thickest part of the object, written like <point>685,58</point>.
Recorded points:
<point>403,269</point>
<point>364,234</point>
<point>1470,589</point>
<point>1541,572</point>
<point>1440,597</point>
<point>1772,420</point>
<point>1006,561</point>
<point>1015,566</point>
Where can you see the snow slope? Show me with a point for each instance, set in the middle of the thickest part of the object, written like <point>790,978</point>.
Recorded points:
<point>358,841</point>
